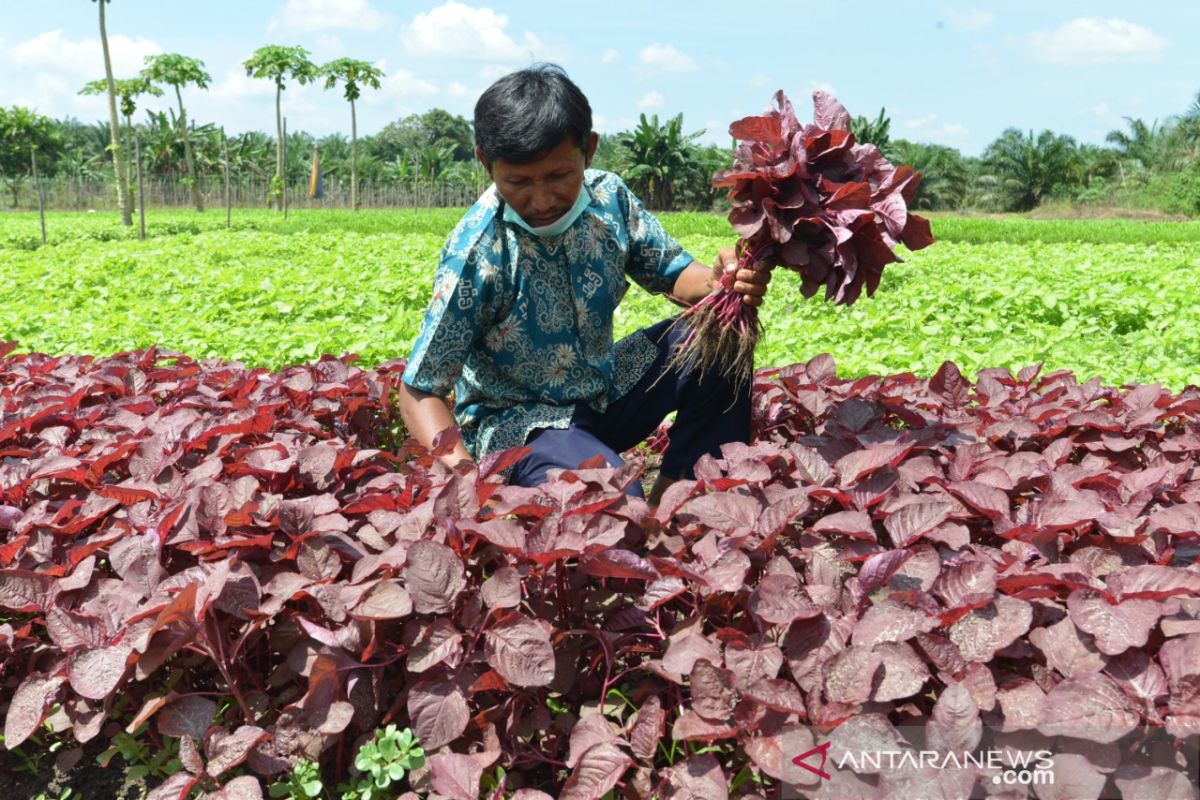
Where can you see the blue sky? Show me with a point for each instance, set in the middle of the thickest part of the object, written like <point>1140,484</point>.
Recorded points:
<point>948,72</point>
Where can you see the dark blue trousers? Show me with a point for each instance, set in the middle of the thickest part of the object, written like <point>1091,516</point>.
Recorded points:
<point>710,412</point>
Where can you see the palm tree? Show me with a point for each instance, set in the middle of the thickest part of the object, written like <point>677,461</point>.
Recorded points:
<point>1140,143</point>
<point>280,63</point>
<point>128,90</point>
<point>945,177</point>
<point>352,72</point>
<point>660,156</point>
<point>114,127</point>
<point>1029,170</point>
<point>178,71</point>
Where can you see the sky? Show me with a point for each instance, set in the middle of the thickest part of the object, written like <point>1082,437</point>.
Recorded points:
<point>952,73</point>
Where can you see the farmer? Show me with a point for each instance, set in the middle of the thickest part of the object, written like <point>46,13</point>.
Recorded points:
<point>521,320</point>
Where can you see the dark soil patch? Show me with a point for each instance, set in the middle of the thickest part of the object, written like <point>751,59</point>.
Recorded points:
<point>48,775</point>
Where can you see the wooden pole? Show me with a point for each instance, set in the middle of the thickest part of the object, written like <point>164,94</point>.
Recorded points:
<point>37,187</point>
<point>228,195</point>
<point>137,154</point>
<point>283,177</point>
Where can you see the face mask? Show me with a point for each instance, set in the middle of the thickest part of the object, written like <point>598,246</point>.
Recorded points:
<point>559,225</point>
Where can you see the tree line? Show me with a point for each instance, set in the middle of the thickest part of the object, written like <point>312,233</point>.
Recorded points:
<point>1148,164</point>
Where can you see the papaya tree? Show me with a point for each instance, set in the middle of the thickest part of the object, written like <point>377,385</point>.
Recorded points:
<point>114,127</point>
<point>352,73</point>
<point>128,90</point>
<point>177,71</point>
<point>23,130</point>
<point>280,63</point>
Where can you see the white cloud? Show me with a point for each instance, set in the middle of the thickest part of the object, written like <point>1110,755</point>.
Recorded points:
<point>970,19</point>
<point>1088,41</point>
<point>610,56</point>
<point>328,46</point>
<point>1101,110</point>
<point>237,86</point>
<point>667,58</point>
<point>457,89</point>
<point>52,51</point>
<point>457,30</point>
<point>494,72</point>
<point>759,81</point>
<point>651,101</point>
<point>819,86</point>
<point>310,16</point>
<point>405,83</point>
<point>930,129</point>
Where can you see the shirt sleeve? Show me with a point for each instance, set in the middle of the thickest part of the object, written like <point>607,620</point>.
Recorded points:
<point>655,258</point>
<point>462,288</point>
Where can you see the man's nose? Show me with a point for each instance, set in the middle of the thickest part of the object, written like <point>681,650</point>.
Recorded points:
<point>542,200</point>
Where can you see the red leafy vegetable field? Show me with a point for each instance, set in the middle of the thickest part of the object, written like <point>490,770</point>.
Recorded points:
<point>1018,553</point>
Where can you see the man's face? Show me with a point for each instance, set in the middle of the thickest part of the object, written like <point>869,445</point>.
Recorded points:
<point>545,188</point>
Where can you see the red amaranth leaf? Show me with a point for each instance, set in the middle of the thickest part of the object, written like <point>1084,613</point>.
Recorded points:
<point>189,716</point>
<point>28,707</point>
<point>598,771</point>
<point>384,600</point>
<point>227,750</point>
<point>519,649</point>
<point>433,576</point>
<point>430,643</point>
<point>1116,627</point>
<point>778,600</point>
<point>455,776</point>
<point>984,630</point>
<point>696,778</point>
<point>713,695</point>
<point>1088,706</point>
<point>439,713</point>
<point>647,729</point>
<point>502,589</point>
<point>954,724</point>
<point>914,521</point>
<point>970,584</point>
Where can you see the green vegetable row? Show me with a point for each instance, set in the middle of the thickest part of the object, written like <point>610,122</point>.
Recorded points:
<point>1114,301</point>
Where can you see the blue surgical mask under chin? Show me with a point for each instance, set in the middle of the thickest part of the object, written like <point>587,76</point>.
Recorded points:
<point>559,225</point>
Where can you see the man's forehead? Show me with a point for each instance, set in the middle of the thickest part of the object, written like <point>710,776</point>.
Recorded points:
<point>564,154</point>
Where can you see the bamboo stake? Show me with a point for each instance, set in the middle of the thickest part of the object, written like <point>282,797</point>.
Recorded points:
<point>37,187</point>
<point>141,191</point>
<point>228,195</point>
<point>283,177</point>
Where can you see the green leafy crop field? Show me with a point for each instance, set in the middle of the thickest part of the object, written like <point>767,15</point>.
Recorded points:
<point>1107,298</point>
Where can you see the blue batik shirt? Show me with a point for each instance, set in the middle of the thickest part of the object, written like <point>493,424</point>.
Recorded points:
<point>521,326</point>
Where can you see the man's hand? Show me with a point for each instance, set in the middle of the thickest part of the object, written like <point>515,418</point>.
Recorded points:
<point>752,282</point>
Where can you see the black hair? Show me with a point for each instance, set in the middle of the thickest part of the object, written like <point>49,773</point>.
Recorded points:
<point>530,111</point>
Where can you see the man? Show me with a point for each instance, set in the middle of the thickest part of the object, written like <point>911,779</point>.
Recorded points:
<point>521,319</point>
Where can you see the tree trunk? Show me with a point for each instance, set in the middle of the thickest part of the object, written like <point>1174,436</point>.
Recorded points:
<point>130,151</point>
<point>114,127</point>
<point>353,158</point>
<point>197,199</point>
<point>279,145</point>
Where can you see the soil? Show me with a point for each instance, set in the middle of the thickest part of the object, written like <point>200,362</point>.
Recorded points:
<point>48,780</point>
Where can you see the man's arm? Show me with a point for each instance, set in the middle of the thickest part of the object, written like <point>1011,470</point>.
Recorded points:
<point>697,281</point>
<point>426,415</point>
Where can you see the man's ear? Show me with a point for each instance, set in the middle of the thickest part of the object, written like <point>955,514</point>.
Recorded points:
<point>593,140</point>
<point>487,165</point>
